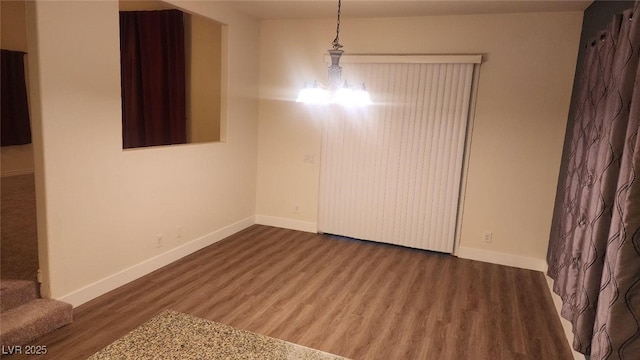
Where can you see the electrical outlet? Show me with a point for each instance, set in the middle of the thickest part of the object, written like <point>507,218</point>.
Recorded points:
<point>488,237</point>
<point>296,209</point>
<point>179,233</point>
<point>159,240</point>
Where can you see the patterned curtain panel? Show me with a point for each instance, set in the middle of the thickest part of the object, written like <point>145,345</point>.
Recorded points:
<point>16,129</point>
<point>594,254</point>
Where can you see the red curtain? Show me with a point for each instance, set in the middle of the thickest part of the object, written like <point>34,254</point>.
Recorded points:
<point>15,129</point>
<point>152,62</point>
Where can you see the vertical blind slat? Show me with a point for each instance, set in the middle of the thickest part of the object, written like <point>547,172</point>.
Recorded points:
<point>391,172</point>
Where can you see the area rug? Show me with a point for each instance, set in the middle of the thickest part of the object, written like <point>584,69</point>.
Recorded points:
<point>174,335</point>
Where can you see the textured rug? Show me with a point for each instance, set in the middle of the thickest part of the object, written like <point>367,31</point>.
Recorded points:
<point>173,335</point>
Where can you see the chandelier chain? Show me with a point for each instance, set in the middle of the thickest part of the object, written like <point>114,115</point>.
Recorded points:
<point>336,41</point>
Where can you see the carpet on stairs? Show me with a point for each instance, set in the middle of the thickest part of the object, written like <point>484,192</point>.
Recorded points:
<point>25,316</point>
<point>14,293</point>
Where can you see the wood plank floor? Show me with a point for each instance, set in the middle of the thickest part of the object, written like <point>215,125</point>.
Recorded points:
<point>356,299</point>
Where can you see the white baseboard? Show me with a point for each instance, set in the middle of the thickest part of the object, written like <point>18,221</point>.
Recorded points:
<point>287,223</point>
<point>494,257</point>
<point>111,282</point>
<point>566,325</point>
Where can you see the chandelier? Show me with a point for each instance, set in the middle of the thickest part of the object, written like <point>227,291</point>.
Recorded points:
<point>337,92</point>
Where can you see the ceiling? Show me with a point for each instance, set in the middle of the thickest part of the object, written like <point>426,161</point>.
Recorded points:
<point>301,9</point>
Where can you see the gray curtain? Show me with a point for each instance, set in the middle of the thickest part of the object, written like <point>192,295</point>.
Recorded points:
<point>594,253</point>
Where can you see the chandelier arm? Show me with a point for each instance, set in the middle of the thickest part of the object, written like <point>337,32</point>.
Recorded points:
<point>336,41</point>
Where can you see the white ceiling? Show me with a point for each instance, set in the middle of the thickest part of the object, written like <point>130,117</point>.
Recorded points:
<point>301,9</point>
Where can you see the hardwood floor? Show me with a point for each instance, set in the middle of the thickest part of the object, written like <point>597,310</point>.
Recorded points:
<point>356,299</point>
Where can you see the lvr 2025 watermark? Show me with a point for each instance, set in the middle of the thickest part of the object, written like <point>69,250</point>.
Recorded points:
<point>24,350</point>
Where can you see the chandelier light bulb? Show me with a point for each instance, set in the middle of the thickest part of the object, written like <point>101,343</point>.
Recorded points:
<point>314,94</point>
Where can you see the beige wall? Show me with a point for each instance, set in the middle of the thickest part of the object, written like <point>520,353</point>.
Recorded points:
<point>138,5</point>
<point>204,64</point>
<point>523,100</point>
<point>100,208</point>
<point>13,36</point>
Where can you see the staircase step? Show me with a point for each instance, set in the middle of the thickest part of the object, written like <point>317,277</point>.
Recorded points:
<point>28,322</point>
<point>14,293</point>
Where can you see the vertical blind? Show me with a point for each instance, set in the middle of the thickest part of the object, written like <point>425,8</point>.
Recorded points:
<point>391,172</point>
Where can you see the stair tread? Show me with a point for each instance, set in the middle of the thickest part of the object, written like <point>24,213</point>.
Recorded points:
<point>14,293</point>
<point>29,321</point>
